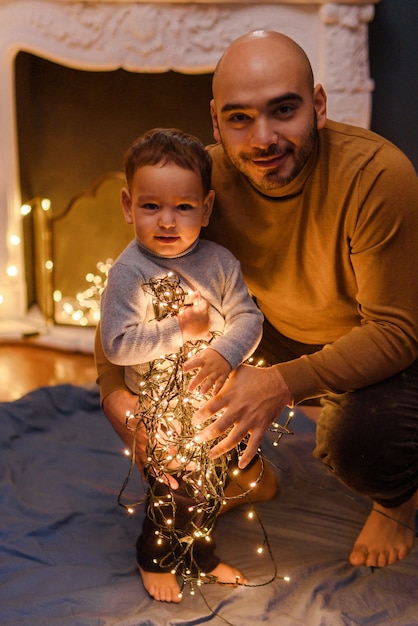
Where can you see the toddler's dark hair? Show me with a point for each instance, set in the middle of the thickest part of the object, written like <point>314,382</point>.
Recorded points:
<point>169,145</point>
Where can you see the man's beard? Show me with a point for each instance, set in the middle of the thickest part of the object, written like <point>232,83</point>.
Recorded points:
<point>272,180</point>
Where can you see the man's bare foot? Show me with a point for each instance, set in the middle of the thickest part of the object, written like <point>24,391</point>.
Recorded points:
<point>387,536</point>
<point>162,586</point>
<point>266,489</point>
<point>228,575</point>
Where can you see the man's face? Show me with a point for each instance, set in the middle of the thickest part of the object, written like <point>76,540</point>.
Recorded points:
<point>267,120</point>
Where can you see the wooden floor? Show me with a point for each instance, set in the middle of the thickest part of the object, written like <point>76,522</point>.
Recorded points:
<point>27,367</point>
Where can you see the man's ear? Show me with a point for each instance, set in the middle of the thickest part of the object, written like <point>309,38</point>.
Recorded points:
<point>207,207</point>
<point>320,104</point>
<point>126,204</point>
<point>215,125</point>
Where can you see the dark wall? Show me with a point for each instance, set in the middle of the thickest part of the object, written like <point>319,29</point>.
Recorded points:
<point>74,126</point>
<point>394,68</point>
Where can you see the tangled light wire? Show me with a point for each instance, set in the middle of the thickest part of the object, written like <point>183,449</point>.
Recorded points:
<point>165,408</point>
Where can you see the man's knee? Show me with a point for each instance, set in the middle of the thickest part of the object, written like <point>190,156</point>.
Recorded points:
<point>345,440</point>
<point>368,439</point>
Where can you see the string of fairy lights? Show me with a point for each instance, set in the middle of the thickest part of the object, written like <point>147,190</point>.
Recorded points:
<point>83,309</point>
<point>165,408</point>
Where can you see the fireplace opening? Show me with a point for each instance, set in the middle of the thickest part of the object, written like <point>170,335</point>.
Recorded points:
<point>73,128</point>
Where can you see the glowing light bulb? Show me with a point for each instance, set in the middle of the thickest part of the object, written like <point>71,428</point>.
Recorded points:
<point>25,209</point>
<point>45,204</point>
<point>77,315</point>
<point>12,271</point>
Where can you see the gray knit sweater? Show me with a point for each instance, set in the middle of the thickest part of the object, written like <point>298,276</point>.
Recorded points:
<point>131,335</point>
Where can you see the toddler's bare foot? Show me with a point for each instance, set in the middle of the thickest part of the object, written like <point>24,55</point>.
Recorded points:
<point>162,586</point>
<point>226,574</point>
<point>387,536</point>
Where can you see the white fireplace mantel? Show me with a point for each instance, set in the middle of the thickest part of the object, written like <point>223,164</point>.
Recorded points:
<point>189,37</point>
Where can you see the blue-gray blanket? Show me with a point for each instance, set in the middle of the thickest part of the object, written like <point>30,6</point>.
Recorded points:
<point>67,550</point>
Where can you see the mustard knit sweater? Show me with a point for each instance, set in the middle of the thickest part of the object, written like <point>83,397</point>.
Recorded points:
<point>332,257</point>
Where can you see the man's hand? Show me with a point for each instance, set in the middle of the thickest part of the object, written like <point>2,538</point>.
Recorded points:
<point>250,401</point>
<point>213,371</point>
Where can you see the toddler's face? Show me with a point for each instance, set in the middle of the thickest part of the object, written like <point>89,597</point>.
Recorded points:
<point>167,207</point>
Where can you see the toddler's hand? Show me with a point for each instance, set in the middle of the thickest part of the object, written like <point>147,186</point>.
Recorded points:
<point>213,370</point>
<point>194,319</point>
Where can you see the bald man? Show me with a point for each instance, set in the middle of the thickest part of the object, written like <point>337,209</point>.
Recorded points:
<point>323,217</point>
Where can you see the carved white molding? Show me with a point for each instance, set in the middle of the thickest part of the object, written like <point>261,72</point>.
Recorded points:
<point>156,37</point>
<point>140,37</point>
<point>346,73</point>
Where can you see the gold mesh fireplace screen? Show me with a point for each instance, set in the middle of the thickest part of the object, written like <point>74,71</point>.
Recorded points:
<point>72,251</point>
